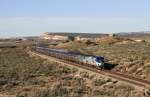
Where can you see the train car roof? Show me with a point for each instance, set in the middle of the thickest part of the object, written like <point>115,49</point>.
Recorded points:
<point>68,52</point>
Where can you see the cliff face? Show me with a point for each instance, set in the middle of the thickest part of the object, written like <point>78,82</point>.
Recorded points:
<point>49,36</point>
<point>136,35</point>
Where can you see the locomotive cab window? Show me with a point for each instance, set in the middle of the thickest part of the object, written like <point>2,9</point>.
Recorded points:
<point>99,59</point>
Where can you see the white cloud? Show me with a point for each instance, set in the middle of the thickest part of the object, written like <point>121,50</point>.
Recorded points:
<point>19,26</point>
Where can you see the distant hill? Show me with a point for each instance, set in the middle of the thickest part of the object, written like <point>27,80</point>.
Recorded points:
<point>136,35</point>
<point>90,35</point>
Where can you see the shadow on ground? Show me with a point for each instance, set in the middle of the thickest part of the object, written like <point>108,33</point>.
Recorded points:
<point>109,66</point>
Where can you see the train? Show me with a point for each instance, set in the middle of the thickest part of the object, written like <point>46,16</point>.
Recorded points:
<point>96,61</point>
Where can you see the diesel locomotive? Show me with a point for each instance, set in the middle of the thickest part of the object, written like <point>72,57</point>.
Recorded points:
<point>96,61</point>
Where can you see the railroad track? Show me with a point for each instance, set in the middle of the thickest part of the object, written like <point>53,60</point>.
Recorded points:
<point>116,75</point>
<point>113,74</point>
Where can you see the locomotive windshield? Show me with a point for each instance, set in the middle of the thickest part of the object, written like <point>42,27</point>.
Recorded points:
<point>99,59</point>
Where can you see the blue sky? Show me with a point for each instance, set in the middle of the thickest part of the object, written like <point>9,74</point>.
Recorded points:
<point>32,17</point>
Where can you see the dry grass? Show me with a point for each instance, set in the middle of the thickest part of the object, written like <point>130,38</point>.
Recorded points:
<point>131,57</point>
<point>27,76</point>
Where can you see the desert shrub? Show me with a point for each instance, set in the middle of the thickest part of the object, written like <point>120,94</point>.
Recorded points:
<point>92,76</point>
<point>109,80</point>
<point>78,81</point>
<point>38,92</point>
<point>66,83</point>
<point>102,92</point>
<point>64,70</point>
<point>35,81</point>
<point>84,74</point>
<point>74,70</point>
<point>99,82</point>
<point>3,82</point>
<point>124,87</point>
<point>61,91</point>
